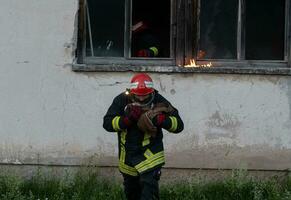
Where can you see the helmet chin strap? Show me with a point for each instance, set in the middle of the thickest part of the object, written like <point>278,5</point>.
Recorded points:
<point>148,102</point>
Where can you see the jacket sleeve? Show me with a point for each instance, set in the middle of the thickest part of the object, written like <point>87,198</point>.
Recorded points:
<point>113,121</point>
<point>173,122</point>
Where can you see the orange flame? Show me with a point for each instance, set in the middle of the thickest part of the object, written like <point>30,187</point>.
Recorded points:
<point>193,64</point>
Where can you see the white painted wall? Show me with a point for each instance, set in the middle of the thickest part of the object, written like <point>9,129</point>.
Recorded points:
<point>49,114</point>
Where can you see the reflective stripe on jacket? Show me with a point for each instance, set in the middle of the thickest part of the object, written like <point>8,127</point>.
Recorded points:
<point>138,151</point>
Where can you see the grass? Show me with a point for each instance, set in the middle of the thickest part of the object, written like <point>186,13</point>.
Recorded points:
<point>88,185</point>
<point>230,189</point>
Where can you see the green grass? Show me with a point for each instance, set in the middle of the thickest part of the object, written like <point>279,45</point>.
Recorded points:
<point>88,185</point>
<point>230,189</point>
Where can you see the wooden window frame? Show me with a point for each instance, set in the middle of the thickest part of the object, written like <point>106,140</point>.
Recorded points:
<point>126,59</point>
<point>240,62</point>
<point>184,45</point>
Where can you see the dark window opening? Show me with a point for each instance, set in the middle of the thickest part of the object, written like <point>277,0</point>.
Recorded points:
<point>265,28</point>
<point>218,29</point>
<point>150,28</point>
<point>105,28</point>
<point>109,35</point>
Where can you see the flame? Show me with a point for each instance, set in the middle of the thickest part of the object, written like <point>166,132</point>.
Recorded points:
<point>193,64</point>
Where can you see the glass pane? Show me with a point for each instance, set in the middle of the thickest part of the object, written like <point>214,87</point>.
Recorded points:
<point>151,28</point>
<point>265,22</point>
<point>107,28</point>
<point>218,29</point>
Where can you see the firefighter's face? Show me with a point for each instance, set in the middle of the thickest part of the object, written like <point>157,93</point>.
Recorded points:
<point>141,98</point>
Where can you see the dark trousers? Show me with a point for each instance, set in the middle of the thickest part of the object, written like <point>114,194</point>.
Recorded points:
<point>142,187</point>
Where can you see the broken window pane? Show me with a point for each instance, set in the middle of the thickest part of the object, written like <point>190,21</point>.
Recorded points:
<point>218,29</point>
<point>105,28</point>
<point>150,28</point>
<point>265,24</point>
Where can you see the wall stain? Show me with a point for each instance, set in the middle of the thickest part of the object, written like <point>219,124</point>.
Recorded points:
<point>272,79</point>
<point>112,84</point>
<point>173,91</point>
<point>222,125</point>
<point>289,99</point>
<point>254,78</point>
<point>22,62</point>
<point>230,156</point>
<point>162,88</point>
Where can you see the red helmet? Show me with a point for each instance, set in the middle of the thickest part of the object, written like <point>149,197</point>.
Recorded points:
<point>141,84</point>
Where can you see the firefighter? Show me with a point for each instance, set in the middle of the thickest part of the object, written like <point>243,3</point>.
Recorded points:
<point>141,151</point>
<point>145,41</point>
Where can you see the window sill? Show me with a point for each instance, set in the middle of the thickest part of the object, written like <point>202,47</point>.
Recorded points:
<point>176,69</point>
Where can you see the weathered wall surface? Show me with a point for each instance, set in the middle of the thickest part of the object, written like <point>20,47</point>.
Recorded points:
<point>51,115</point>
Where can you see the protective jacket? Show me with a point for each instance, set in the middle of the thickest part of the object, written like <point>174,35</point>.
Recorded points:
<point>138,151</point>
<point>146,40</point>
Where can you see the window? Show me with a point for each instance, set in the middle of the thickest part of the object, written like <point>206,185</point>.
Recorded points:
<point>227,33</point>
<point>245,31</point>
<point>218,25</point>
<point>126,32</point>
<point>265,30</point>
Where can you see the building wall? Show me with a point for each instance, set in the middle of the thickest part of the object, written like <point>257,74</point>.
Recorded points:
<point>52,115</point>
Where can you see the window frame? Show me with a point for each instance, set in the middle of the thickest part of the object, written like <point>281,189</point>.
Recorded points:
<point>240,62</point>
<point>126,59</point>
<point>184,43</point>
